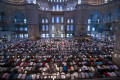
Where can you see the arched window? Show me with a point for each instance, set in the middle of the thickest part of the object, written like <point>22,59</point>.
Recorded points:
<point>89,21</point>
<point>46,20</point>
<point>68,35</point>
<point>71,27</point>
<point>21,29</point>
<point>47,35</point>
<point>57,7</point>
<point>68,9</point>
<point>25,21</point>
<point>34,1</point>
<point>46,8</point>
<point>43,35</point>
<point>43,8</point>
<point>62,35</point>
<point>71,20</point>
<point>68,27</point>
<point>53,8</point>
<point>53,28</point>
<point>79,1</point>
<point>42,20</point>
<point>57,19</point>
<point>88,29</point>
<point>52,19</point>
<point>53,35</point>
<point>93,29</point>
<point>15,20</point>
<point>62,27</point>
<point>43,28</point>
<point>62,20</point>
<point>21,35</point>
<point>31,1</point>
<point>68,20</point>
<point>111,28</point>
<point>71,8</point>
<point>105,1</point>
<point>61,8</point>
<point>25,29</point>
<point>26,35</point>
<point>98,20</point>
<point>46,27</point>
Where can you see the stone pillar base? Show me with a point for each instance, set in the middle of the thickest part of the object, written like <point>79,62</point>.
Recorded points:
<point>80,29</point>
<point>116,59</point>
<point>34,38</point>
<point>33,32</point>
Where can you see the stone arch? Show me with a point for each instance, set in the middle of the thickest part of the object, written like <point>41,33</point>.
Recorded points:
<point>107,15</point>
<point>20,15</point>
<point>96,22</point>
<point>95,14</point>
<point>4,14</point>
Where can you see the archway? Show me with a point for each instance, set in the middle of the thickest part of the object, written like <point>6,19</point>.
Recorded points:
<point>95,24</point>
<point>20,25</point>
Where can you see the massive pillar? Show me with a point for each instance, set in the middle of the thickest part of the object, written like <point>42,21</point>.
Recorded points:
<point>116,55</point>
<point>81,19</point>
<point>32,21</point>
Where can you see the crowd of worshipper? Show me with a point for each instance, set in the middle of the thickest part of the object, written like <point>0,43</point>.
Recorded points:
<point>56,59</point>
